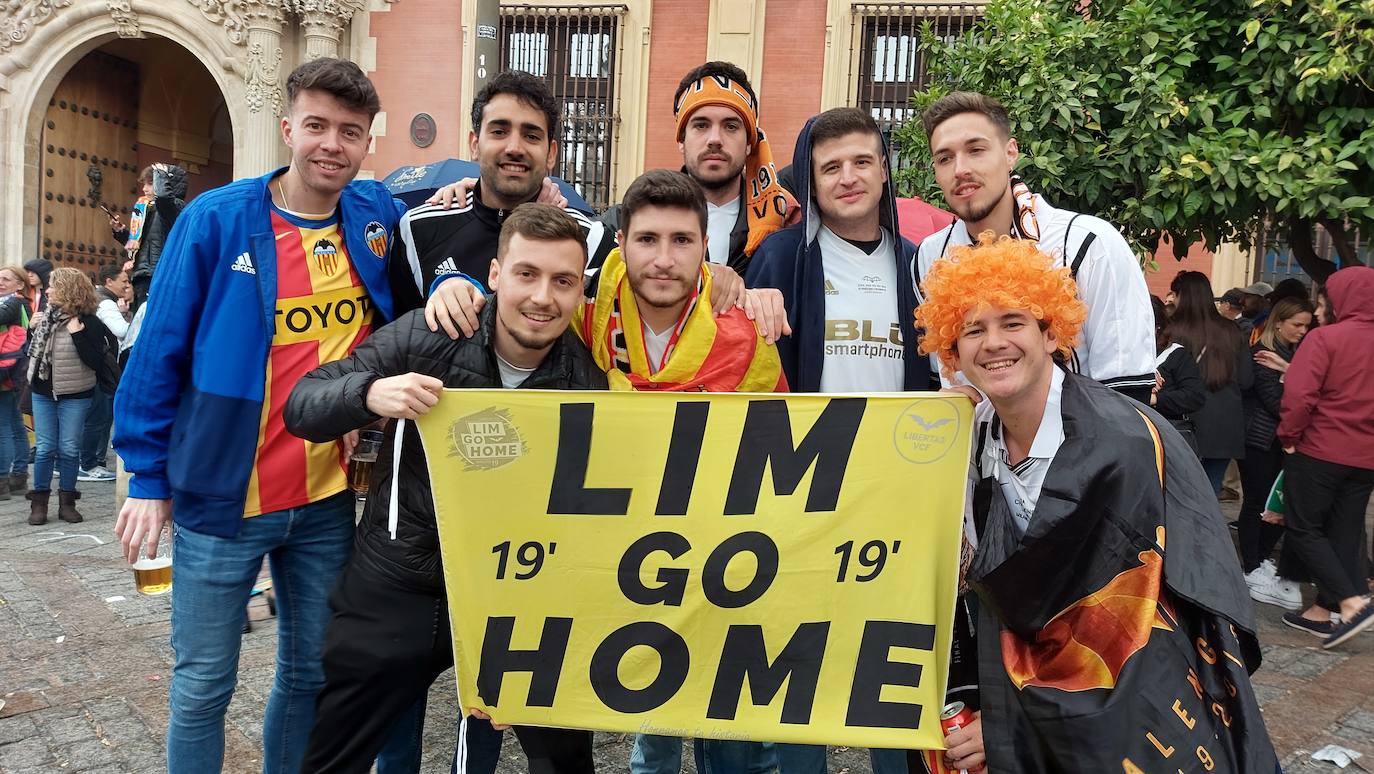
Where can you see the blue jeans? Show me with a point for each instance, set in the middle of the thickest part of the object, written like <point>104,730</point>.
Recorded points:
<point>654,754</point>
<point>1215,468</point>
<point>13,424</point>
<point>211,579</point>
<point>57,423</point>
<point>810,759</point>
<point>95,437</point>
<point>9,444</point>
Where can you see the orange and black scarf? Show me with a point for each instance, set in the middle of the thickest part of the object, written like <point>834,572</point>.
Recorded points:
<point>767,202</point>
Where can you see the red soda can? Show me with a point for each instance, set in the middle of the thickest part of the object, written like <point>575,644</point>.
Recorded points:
<point>954,717</point>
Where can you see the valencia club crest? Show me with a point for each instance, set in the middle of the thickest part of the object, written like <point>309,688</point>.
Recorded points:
<point>376,238</point>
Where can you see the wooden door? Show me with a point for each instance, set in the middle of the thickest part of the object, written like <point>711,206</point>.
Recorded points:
<point>89,157</point>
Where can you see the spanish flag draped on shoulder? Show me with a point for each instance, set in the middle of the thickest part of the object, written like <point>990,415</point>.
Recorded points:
<point>707,352</point>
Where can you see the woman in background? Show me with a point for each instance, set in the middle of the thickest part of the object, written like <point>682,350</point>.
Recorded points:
<point>1283,328</point>
<point>66,353</point>
<point>1223,359</point>
<point>1178,385</point>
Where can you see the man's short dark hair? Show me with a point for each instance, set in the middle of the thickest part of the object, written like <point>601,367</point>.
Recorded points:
<point>529,89</point>
<point>960,102</point>
<point>542,222</point>
<point>733,72</point>
<point>108,272</point>
<point>663,188</point>
<point>837,122</point>
<point>340,78</point>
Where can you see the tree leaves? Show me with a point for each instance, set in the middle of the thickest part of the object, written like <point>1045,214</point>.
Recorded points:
<point>1193,118</point>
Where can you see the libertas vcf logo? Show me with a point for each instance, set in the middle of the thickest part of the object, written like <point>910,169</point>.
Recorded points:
<point>485,440</point>
<point>926,430</point>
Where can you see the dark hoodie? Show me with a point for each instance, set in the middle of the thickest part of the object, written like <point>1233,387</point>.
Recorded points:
<point>38,297</point>
<point>790,260</point>
<point>1328,394</point>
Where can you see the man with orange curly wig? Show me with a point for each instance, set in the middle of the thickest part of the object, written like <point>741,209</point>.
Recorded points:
<point>1098,649</point>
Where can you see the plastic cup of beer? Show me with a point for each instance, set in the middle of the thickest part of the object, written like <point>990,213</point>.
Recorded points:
<point>361,461</point>
<point>153,577</point>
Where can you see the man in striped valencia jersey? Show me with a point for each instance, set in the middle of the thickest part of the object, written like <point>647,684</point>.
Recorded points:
<point>260,281</point>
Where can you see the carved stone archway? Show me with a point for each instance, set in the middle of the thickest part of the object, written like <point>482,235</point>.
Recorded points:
<point>248,47</point>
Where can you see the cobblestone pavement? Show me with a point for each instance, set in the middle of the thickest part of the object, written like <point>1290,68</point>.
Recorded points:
<point>84,666</point>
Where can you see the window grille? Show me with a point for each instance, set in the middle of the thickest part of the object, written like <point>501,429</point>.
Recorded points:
<point>576,49</point>
<point>891,64</point>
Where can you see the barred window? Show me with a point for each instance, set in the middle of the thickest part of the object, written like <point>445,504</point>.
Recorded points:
<point>891,65</point>
<point>575,49</point>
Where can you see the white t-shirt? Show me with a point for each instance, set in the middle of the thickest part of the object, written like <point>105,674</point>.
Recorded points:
<point>1021,483</point>
<point>512,375</point>
<point>720,221</point>
<point>863,332</point>
<point>656,345</point>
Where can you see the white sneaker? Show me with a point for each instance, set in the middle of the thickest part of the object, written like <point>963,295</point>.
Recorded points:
<point>1276,591</point>
<point>1269,569</point>
<point>97,473</point>
<point>1259,577</point>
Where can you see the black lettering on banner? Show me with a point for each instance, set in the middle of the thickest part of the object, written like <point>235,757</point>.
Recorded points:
<point>674,581</point>
<point>569,493</point>
<point>684,454</point>
<point>766,442</point>
<point>780,205</point>
<point>745,657</point>
<point>674,661</point>
<point>875,668</point>
<point>713,573</point>
<point>544,663</point>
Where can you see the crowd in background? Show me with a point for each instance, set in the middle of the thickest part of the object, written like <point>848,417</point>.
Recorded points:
<point>1227,374</point>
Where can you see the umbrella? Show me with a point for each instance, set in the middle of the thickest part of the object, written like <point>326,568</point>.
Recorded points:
<point>414,184</point>
<point>919,220</point>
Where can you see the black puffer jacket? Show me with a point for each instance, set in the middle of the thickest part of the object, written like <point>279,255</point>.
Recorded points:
<point>169,199</point>
<point>1263,398</point>
<point>332,400</point>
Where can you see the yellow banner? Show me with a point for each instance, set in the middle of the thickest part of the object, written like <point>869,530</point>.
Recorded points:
<point>764,567</point>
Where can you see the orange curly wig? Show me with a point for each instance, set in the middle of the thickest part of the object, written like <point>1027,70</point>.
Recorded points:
<point>1002,271</point>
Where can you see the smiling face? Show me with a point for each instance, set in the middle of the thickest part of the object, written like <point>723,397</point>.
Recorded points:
<point>328,143</point>
<point>973,162</point>
<point>848,173</point>
<point>538,285</point>
<point>714,146</point>
<point>514,150</point>
<point>1006,354</point>
<point>663,248</point>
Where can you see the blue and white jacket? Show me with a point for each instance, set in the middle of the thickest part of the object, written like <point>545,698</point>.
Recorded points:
<point>189,404</point>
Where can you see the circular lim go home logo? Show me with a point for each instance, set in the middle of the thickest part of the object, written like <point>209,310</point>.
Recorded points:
<point>485,440</point>
<point>927,430</point>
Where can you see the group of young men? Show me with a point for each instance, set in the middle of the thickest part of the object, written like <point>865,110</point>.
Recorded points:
<point>292,310</point>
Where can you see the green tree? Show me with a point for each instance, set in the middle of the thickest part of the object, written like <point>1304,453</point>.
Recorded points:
<point>1195,119</point>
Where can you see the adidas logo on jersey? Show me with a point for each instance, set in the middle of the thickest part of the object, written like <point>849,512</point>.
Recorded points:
<point>830,289</point>
<point>449,266</point>
<point>244,264</point>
